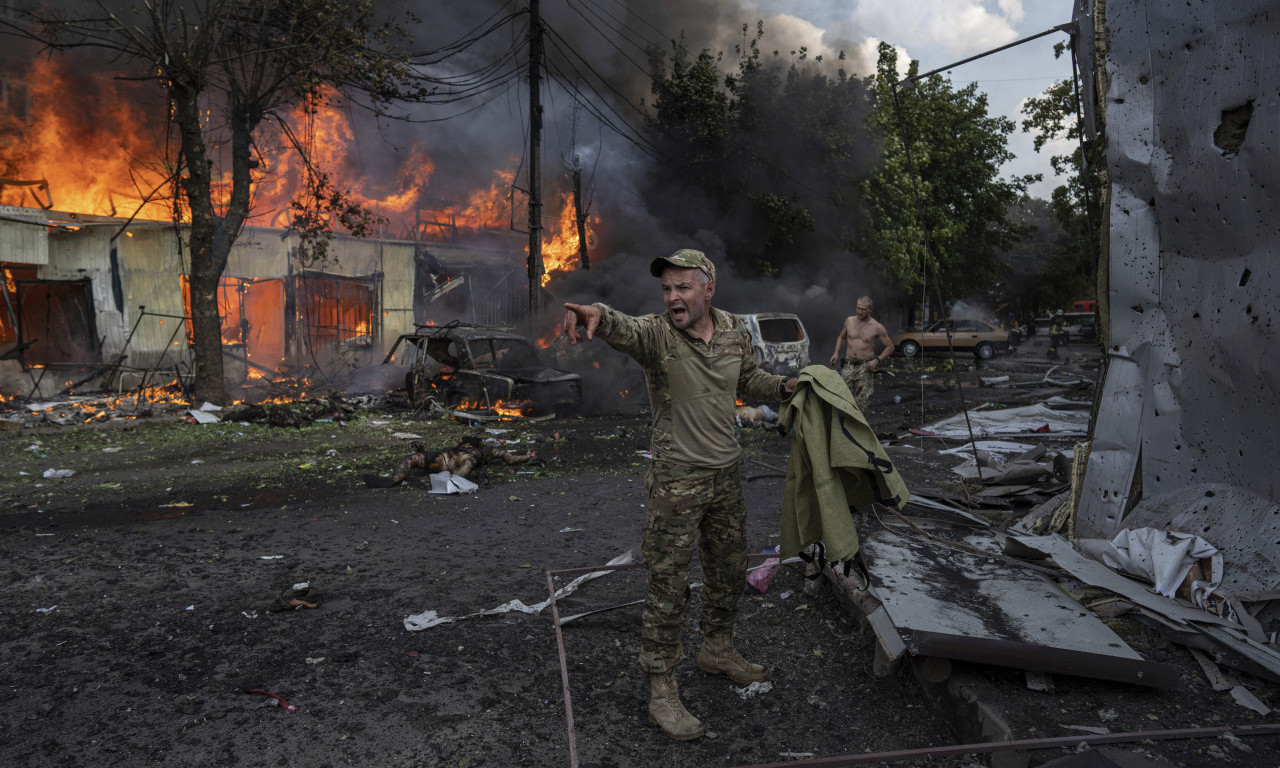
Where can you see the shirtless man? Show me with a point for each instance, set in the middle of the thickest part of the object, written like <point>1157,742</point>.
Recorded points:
<point>859,336</point>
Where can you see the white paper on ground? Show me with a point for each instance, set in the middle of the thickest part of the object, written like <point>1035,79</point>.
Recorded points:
<point>753,689</point>
<point>447,482</point>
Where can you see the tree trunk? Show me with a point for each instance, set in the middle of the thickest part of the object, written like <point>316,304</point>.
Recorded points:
<point>206,268</point>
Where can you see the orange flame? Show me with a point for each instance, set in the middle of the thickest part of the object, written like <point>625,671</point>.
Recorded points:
<point>104,153</point>
<point>561,251</point>
<point>94,150</point>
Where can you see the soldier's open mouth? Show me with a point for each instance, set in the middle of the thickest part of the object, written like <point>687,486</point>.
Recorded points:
<point>678,313</point>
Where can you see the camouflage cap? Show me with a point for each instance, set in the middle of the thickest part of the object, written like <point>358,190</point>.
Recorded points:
<point>685,258</point>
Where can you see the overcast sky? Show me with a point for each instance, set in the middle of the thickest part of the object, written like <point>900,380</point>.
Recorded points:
<point>939,32</point>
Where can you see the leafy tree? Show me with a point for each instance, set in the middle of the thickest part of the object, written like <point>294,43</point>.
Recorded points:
<point>1026,289</point>
<point>1071,271</point>
<point>775,148</point>
<point>226,67</point>
<point>949,195</point>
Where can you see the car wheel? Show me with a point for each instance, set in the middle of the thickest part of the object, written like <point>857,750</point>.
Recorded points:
<point>984,351</point>
<point>909,348</point>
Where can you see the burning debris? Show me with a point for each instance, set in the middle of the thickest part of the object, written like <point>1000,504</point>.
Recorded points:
<point>76,410</point>
<point>471,453</point>
<point>293,413</point>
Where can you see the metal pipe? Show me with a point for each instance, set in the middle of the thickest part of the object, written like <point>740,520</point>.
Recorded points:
<point>564,667</point>
<point>1045,743</point>
<point>1069,28</point>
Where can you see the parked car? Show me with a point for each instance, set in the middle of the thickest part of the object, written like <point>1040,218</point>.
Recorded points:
<point>478,366</point>
<point>779,342</point>
<point>1075,325</point>
<point>983,339</point>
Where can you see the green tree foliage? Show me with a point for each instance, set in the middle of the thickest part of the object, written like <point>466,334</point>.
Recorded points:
<point>1071,271</point>
<point>949,194</point>
<point>1027,290</point>
<point>775,149</point>
<point>227,66</point>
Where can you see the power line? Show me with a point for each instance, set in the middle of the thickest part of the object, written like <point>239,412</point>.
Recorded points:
<point>556,41</point>
<point>609,39</point>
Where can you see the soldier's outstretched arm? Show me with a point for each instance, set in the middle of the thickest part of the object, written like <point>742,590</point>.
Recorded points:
<point>586,315</point>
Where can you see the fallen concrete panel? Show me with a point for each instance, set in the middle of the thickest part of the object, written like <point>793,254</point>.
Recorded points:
<point>960,605</point>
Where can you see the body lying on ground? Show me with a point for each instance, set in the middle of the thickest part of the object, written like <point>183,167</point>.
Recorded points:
<point>469,454</point>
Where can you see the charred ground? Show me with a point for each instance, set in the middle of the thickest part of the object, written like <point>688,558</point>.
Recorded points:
<point>138,596</point>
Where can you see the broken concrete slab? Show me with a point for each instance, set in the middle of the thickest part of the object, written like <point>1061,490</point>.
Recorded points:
<point>957,604</point>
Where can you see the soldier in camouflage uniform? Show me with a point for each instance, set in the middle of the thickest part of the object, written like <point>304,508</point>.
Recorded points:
<point>696,360</point>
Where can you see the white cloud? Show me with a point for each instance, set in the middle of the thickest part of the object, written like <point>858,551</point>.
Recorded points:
<point>953,27</point>
<point>1012,10</point>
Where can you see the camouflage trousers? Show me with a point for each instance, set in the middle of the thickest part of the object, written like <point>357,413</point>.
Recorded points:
<point>690,508</point>
<point>861,381</point>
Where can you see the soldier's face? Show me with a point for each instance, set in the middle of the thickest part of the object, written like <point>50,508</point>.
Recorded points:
<point>864,311</point>
<point>686,297</point>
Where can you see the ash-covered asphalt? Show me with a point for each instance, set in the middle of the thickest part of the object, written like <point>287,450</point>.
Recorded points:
<point>137,608</point>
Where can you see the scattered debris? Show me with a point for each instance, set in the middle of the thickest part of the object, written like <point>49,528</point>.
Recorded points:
<point>293,413</point>
<point>1057,417</point>
<point>205,414</point>
<point>276,700</point>
<point>447,482</point>
<point>428,619</point>
<point>1245,698</point>
<point>753,689</point>
<point>295,597</point>
<point>759,576</point>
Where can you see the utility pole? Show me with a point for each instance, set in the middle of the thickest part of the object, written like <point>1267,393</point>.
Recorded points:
<point>535,161</point>
<point>580,214</point>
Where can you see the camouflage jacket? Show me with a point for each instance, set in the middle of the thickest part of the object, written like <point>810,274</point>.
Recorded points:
<point>693,386</point>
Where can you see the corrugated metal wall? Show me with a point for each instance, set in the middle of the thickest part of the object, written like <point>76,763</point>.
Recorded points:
<point>1192,126</point>
<point>27,243</point>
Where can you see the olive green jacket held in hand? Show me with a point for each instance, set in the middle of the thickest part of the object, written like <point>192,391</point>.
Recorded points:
<point>692,384</point>
<point>836,464</point>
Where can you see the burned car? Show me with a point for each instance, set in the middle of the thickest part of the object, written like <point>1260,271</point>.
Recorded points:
<point>470,366</point>
<point>778,341</point>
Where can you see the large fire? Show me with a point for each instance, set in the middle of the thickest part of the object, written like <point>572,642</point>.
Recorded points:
<point>104,153</point>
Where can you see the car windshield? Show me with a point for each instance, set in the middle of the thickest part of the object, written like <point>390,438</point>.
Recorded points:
<point>503,353</point>
<point>776,330</point>
<point>957,326</point>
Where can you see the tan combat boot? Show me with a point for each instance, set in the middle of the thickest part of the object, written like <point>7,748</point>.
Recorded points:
<point>719,657</point>
<point>666,711</point>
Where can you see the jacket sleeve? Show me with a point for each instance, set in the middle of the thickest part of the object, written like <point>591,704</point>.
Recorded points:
<point>753,381</point>
<point>636,337</point>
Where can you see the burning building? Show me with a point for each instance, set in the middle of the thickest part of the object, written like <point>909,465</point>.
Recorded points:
<point>95,263</point>
<point>96,301</point>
